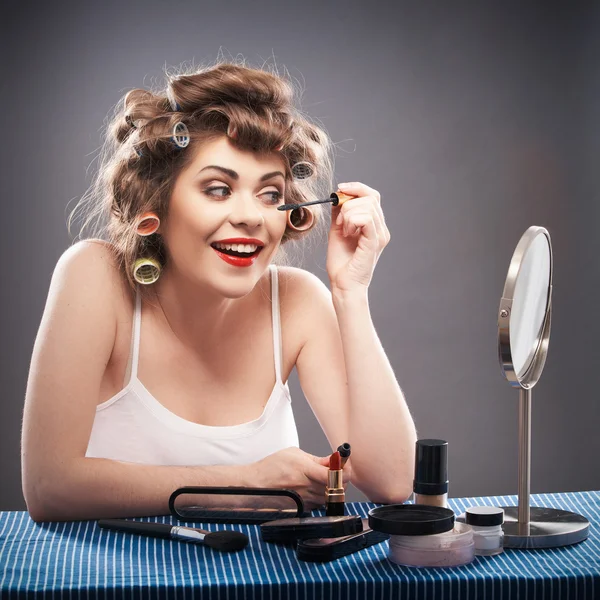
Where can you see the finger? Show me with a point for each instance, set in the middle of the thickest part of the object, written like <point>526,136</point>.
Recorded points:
<point>347,475</point>
<point>359,189</point>
<point>368,205</point>
<point>338,212</point>
<point>316,473</point>
<point>352,220</point>
<point>365,203</point>
<point>316,499</point>
<point>383,232</point>
<point>314,496</point>
<point>335,213</point>
<point>361,223</point>
<point>321,460</point>
<point>310,506</point>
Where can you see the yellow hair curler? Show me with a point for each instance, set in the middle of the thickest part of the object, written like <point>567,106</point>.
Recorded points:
<point>146,270</point>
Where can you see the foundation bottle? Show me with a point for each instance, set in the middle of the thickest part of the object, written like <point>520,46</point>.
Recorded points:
<point>430,485</point>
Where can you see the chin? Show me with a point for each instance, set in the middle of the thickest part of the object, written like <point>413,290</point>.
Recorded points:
<point>234,287</point>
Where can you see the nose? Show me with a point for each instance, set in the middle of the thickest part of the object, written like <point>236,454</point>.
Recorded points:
<point>246,211</point>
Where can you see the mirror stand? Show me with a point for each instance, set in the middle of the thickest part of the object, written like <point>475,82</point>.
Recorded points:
<point>528,526</point>
<point>522,347</point>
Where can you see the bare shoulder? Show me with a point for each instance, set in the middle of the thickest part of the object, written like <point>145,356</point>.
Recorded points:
<point>93,251</point>
<point>88,272</point>
<point>300,285</point>
<point>306,301</point>
<point>92,264</point>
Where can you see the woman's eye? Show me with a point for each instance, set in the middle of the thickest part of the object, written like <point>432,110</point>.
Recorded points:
<point>276,197</point>
<point>211,191</point>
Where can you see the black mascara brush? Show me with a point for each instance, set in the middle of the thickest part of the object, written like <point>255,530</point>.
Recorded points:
<point>225,541</point>
<point>335,199</point>
<point>344,451</point>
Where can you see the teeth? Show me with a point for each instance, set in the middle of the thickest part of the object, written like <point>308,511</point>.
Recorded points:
<point>237,247</point>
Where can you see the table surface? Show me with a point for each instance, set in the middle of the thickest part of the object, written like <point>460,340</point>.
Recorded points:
<point>80,559</point>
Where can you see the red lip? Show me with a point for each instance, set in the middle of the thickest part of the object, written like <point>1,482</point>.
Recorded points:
<point>237,261</point>
<point>241,241</point>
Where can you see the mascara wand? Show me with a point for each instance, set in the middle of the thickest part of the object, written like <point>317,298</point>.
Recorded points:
<point>335,199</point>
<point>225,541</point>
<point>344,451</point>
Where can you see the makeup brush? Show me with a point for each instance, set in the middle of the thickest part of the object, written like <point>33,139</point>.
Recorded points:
<point>335,199</point>
<point>344,451</point>
<point>225,541</point>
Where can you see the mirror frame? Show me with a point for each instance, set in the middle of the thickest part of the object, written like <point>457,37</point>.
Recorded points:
<point>537,357</point>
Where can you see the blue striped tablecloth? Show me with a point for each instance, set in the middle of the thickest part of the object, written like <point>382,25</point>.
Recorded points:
<point>80,560</point>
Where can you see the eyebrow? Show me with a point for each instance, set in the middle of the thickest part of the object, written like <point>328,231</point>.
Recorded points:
<point>235,176</point>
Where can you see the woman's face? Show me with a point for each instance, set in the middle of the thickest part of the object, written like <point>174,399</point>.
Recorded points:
<point>211,205</point>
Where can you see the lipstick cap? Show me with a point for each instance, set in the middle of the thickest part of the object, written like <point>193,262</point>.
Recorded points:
<point>431,467</point>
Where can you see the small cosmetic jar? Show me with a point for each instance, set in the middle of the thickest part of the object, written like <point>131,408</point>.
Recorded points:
<point>424,536</point>
<point>486,522</point>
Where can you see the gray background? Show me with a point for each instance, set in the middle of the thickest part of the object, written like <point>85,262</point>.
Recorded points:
<point>473,123</point>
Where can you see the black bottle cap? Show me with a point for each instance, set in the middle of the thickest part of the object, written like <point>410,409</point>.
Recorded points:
<point>344,450</point>
<point>431,467</point>
<point>484,516</point>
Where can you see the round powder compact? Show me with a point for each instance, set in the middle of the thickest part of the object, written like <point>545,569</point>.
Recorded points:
<point>424,536</point>
<point>411,519</point>
<point>450,549</point>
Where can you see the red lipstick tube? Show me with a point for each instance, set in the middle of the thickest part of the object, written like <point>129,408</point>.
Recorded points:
<point>335,496</point>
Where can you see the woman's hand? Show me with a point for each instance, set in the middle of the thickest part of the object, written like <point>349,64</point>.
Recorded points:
<point>357,237</point>
<point>294,469</point>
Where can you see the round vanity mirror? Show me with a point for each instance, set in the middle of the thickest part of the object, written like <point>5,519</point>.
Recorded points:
<point>525,309</point>
<point>523,334</point>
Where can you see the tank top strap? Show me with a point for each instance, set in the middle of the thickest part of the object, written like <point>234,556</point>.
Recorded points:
<point>277,342</point>
<point>137,321</point>
<point>134,352</point>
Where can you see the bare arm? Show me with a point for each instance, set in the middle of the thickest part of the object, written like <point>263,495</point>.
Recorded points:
<point>73,346</point>
<point>351,386</point>
<point>380,423</point>
<point>96,488</point>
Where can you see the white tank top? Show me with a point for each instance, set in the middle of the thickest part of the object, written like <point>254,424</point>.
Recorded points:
<point>133,426</point>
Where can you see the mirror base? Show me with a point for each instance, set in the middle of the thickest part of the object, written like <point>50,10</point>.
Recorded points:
<point>547,528</point>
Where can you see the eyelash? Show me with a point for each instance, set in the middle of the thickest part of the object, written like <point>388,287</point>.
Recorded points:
<point>277,195</point>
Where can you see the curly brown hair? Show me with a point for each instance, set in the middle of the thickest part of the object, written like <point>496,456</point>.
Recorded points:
<point>140,163</point>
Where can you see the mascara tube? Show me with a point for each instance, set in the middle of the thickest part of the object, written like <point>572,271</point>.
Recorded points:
<point>344,451</point>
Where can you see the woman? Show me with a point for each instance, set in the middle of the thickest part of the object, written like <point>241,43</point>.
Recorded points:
<point>161,358</point>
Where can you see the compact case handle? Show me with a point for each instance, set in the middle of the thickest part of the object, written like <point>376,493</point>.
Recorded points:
<point>234,516</point>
